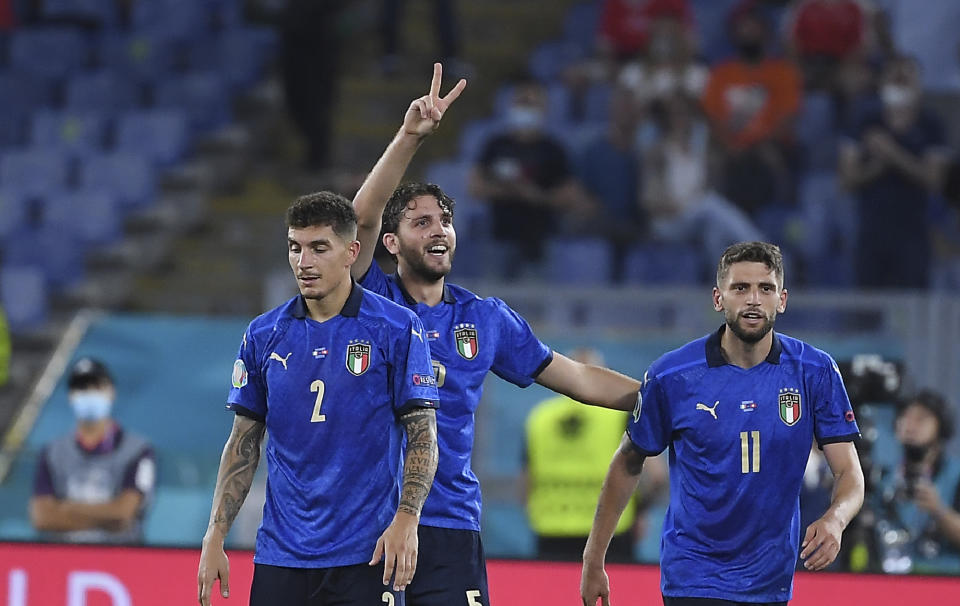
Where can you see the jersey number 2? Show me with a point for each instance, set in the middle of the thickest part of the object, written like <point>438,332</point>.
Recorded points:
<point>317,386</point>
<point>745,457</point>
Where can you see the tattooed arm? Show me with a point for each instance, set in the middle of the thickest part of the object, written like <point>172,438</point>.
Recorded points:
<point>241,454</point>
<point>398,543</point>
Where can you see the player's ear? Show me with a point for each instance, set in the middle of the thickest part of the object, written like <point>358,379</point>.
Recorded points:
<point>390,243</point>
<point>717,302</point>
<point>783,301</point>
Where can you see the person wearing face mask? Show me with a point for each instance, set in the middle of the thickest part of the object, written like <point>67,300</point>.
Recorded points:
<point>927,484</point>
<point>893,161</point>
<point>95,484</point>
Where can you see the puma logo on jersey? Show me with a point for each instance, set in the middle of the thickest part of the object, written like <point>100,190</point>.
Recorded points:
<point>414,332</point>
<point>712,411</point>
<point>275,356</point>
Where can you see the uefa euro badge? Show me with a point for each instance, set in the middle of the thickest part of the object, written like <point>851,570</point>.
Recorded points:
<point>466,337</point>
<point>358,357</point>
<point>239,378</point>
<point>790,405</point>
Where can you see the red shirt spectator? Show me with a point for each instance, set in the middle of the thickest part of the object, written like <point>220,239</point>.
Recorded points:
<point>625,24</point>
<point>832,28</point>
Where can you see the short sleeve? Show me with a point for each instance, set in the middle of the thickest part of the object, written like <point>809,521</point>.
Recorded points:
<point>833,418</point>
<point>375,280</point>
<point>520,355</point>
<point>141,474</point>
<point>248,395</point>
<point>414,385</point>
<point>42,477</point>
<point>650,426</point>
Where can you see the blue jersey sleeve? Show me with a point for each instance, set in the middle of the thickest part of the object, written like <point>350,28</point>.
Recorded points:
<point>520,356</point>
<point>248,395</point>
<point>833,419</point>
<point>650,425</point>
<point>375,280</point>
<point>414,385</point>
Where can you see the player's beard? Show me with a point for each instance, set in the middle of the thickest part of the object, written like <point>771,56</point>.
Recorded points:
<point>417,262</point>
<point>753,335</point>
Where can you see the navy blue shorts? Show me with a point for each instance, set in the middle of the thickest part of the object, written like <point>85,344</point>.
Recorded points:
<point>357,585</point>
<point>667,601</point>
<point>451,569</point>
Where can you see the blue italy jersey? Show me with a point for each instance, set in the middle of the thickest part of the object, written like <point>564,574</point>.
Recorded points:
<point>739,441</point>
<point>330,394</point>
<point>468,336</point>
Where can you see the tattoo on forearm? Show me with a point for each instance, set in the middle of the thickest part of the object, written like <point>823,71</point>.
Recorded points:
<point>420,463</point>
<point>237,468</point>
<point>632,458</point>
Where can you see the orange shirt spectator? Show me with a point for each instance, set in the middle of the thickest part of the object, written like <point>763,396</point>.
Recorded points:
<point>832,28</point>
<point>625,24</point>
<point>748,103</point>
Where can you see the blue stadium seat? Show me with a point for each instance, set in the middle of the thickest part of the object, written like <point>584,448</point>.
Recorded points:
<point>471,217</point>
<point>582,261</point>
<point>102,90</point>
<point>161,135</point>
<point>31,93</point>
<point>49,53</point>
<point>237,54</point>
<point>549,59</point>
<point>60,255</point>
<point>94,218</point>
<point>596,103</point>
<point>102,12</point>
<point>13,212</point>
<point>129,177</point>
<point>710,18</point>
<point>23,293</point>
<point>140,56</point>
<point>475,134</point>
<point>580,26</point>
<point>77,133</point>
<point>35,172</point>
<point>173,19</point>
<point>12,130</point>
<point>662,264</point>
<point>202,95</point>
<point>816,131</point>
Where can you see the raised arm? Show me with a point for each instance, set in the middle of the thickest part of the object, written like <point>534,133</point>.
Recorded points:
<point>398,543</point>
<point>238,464</point>
<point>821,543</point>
<point>590,384</point>
<point>421,119</point>
<point>618,487</point>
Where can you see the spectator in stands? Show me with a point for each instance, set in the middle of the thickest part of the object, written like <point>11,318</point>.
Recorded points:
<point>893,161</point>
<point>682,206</point>
<point>526,177</point>
<point>5,349</point>
<point>629,28</point>
<point>751,102</point>
<point>568,447</point>
<point>927,482</point>
<point>94,485</point>
<point>823,34</point>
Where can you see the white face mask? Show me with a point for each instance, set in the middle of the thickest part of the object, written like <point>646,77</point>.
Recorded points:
<point>521,117</point>
<point>91,405</point>
<point>896,95</point>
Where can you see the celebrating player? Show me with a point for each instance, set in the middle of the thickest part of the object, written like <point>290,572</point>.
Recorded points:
<point>739,410</point>
<point>469,337</point>
<point>336,375</point>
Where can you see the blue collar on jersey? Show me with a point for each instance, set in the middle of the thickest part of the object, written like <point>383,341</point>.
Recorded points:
<point>447,295</point>
<point>351,308</point>
<point>715,353</point>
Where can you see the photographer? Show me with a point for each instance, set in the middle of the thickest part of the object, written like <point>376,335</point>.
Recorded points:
<point>926,496</point>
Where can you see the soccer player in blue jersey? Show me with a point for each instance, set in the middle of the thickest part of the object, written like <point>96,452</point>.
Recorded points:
<point>337,376</point>
<point>469,337</point>
<point>738,409</point>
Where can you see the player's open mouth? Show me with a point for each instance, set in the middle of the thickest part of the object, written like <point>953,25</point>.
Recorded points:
<point>308,279</point>
<point>752,316</point>
<point>437,250</point>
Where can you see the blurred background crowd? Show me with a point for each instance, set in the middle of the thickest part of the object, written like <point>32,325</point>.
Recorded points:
<point>602,156</point>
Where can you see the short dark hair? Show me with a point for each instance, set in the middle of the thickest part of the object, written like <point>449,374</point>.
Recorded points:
<point>757,252</point>
<point>324,208</point>
<point>937,405</point>
<point>402,196</point>
<point>87,373</point>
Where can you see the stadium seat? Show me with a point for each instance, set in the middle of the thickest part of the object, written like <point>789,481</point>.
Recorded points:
<point>76,133</point>
<point>23,293</point>
<point>596,103</point>
<point>662,264</point>
<point>58,254</point>
<point>237,54</point>
<point>474,136</point>
<point>202,95</point>
<point>13,212</point>
<point>581,261</point>
<point>94,218</point>
<point>129,177</point>
<point>100,12</point>
<point>161,135</point>
<point>580,26</point>
<point>35,172</point>
<point>12,130</point>
<point>172,19</point>
<point>138,56</point>
<point>816,131</point>
<point>710,19</point>
<point>549,59</point>
<point>471,217</point>
<point>49,53</point>
<point>103,90</point>
<point>31,93</point>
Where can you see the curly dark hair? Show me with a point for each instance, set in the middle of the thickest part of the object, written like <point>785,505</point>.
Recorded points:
<point>938,405</point>
<point>324,208</point>
<point>402,196</point>
<point>758,252</point>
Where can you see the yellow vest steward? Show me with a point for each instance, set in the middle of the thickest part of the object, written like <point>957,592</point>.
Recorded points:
<point>569,447</point>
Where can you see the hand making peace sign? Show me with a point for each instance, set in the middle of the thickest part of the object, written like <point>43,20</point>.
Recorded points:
<point>424,114</point>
